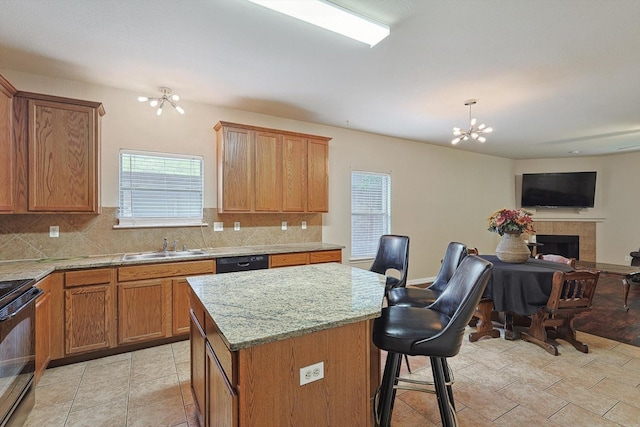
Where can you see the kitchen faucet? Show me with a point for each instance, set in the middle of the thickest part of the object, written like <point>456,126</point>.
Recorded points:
<point>165,244</point>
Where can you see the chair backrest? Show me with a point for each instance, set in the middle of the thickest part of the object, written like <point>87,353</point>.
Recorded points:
<point>557,258</point>
<point>452,257</point>
<point>572,291</point>
<point>393,253</point>
<point>458,302</point>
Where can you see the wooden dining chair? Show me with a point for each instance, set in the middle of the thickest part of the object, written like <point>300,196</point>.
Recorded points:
<point>557,258</point>
<point>482,315</point>
<point>572,293</point>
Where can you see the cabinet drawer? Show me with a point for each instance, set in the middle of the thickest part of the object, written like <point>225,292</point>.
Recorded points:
<point>87,277</point>
<point>325,256</point>
<point>224,355</point>
<point>174,269</point>
<point>284,260</point>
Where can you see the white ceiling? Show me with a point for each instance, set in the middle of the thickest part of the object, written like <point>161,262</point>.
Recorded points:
<point>550,76</point>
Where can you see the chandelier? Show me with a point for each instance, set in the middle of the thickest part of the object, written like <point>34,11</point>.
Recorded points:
<point>474,132</point>
<point>166,98</point>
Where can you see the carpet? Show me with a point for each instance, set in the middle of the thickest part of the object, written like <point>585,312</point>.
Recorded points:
<point>607,317</point>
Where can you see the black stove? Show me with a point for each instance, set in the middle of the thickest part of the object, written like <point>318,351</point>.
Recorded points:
<point>11,289</point>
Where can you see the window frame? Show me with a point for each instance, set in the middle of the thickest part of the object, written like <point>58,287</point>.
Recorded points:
<point>132,221</point>
<point>384,212</point>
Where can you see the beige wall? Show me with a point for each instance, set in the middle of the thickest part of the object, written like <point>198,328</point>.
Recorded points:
<point>440,194</point>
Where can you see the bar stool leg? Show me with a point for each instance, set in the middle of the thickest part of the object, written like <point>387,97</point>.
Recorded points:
<point>387,391</point>
<point>441,392</point>
<point>447,378</point>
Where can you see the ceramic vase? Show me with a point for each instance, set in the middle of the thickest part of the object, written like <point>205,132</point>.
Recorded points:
<point>512,249</point>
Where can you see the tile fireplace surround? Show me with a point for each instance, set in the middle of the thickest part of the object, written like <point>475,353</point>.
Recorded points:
<point>586,230</point>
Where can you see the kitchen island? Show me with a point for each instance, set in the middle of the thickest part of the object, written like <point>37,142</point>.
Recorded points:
<point>257,336</point>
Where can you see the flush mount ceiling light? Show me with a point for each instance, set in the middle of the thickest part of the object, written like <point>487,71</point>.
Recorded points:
<point>330,17</point>
<point>166,98</point>
<point>474,132</point>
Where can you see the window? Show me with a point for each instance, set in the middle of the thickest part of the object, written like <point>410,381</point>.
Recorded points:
<point>370,212</point>
<point>158,189</point>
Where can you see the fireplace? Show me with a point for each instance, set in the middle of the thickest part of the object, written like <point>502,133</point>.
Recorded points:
<point>567,246</point>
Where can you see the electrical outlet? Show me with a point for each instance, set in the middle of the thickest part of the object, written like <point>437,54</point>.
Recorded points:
<point>54,231</point>
<point>284,225</point>
<point>218,226</point>
<point>627,258</point>
<point>304,225</point>
<point>311,373</point>
<point>236,226</point>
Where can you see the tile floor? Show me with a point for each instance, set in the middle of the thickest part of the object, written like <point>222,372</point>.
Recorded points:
<point>498,383</point>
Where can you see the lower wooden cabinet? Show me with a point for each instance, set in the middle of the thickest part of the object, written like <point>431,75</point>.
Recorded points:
<point>221,397</point>
<point>43,328</point>
<point>197,342</point>
<point>89,310</point>
<point>144,310</point>
<point>180,308</point>
<point>303,258</point>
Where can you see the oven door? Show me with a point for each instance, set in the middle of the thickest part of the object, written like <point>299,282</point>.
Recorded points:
<point>17,353</point>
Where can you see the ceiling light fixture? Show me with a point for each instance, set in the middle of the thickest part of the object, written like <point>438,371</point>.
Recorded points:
<point>330,17</point>
<point>473,132</point>
<point>166,98</point>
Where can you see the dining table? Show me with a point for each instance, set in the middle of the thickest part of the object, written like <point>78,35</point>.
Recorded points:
<point>518,290</point>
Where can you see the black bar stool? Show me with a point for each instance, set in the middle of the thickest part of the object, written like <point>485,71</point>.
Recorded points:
<point>435,331</point>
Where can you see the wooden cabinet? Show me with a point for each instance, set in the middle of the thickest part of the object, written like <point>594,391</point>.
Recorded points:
<point>57,148</point>
<point>153,299</point>
<point>7,160</point>
<point>89,310</point>
<point>43,327</point>
<point>180,306</point>
<point>302,258</point>
<point>144,310</point>
<point>221,397</point>
<point>197,342</point>
<point>269,170</point>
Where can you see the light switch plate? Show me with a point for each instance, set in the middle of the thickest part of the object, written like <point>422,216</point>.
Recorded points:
<point>304,225</point>
<point>236,226</point>
<point>218,226</point>
<point>284,225</point>
<point>54,231</point>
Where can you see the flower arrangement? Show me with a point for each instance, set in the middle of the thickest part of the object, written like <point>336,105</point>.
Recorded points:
<point>511,220</point>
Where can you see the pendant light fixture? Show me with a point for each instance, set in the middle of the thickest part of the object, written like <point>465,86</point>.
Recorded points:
<point>474,132</point>
<point>166,98</point>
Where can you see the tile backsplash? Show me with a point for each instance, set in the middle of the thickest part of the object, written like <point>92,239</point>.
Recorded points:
<point>27,236</point>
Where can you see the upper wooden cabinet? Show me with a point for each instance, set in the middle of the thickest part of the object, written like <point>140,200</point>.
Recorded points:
<point>270,170</point>
<point>7,91</point>
<point>57,147</point>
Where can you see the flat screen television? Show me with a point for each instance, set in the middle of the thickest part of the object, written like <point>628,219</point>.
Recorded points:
<point>559,190</point>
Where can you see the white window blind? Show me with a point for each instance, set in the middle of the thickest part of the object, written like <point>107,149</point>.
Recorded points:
<point>158,189</point>
<point>370,212</point>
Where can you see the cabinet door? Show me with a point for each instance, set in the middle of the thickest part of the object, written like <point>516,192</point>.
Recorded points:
<point>63,149</point>
<point>234,170</point>
<point>43,330</point>
<point>180,309</point>
<point>88,314</point>
<point>318,176</point>
<point>197,339</point>
<point>144,310</point>
<point>294,174</point>
<point>222,400</point>
<point>268,171</point>
<point>6,145</point>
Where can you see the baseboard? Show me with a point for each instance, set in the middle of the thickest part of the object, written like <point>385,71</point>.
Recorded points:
<point>421,282</point>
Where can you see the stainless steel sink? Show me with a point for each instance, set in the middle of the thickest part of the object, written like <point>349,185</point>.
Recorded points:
<point>161,255</point>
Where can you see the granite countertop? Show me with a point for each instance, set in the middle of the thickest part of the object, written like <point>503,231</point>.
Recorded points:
<point>262,306</point>
<point>40,268</point>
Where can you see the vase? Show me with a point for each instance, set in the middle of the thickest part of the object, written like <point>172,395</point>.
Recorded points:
<point>512,249</point>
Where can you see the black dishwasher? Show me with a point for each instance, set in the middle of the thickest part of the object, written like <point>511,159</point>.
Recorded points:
<point>241,263</point>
